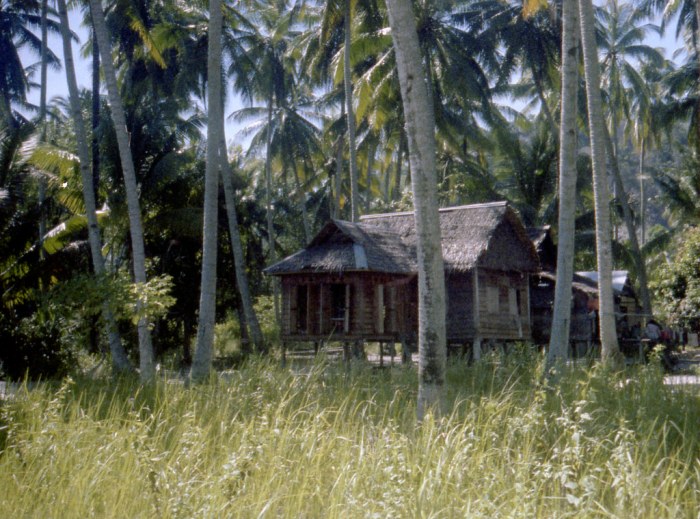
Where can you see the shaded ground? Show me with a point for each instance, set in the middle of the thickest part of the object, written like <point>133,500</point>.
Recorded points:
<point>686,371</point>
<point>688,360</point>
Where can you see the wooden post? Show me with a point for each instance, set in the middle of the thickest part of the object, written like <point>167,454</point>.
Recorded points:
<point>476,350</point>
<point>358,349</point>
<point>308,287</point>
<point>284,354</point>
<point>379,309</point>
<point>527,303</point>
<point>320,309</point>
<point>476,354</point>
<point>381,354</point>
<point>346,321</point>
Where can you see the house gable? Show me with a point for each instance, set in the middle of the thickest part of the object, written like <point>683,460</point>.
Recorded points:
<point>489,235</point>
<point>348,247</point>
<point>509,249</point>
<point>541,238</point>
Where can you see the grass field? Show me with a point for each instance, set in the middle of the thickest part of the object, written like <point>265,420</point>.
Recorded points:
<point>329,442</point>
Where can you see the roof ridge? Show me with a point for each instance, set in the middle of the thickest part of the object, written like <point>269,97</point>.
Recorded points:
<point>501,203</point>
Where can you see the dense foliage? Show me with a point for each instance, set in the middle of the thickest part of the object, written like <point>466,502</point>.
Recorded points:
<point>679,283</point>
<point>494,68</point>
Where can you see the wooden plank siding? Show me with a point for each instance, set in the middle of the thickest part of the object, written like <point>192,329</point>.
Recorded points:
<point>506,318</point>
<point>460,307</point>
<point>379,307</point>
<point>385,308</point>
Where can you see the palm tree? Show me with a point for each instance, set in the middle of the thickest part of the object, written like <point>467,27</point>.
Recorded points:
<point>687,15</point>
<point>42,107</point>
<point>324,46</point>
<point>119,359</point>
<point>207,302</point>
<point>621,37</point>
<point>17,18</point>
<point>261,73</point>
<point>525,168</point>
<point>420,127</point>
<point>251,319</point>
<point>146,363</point>
<point>292,139</point>
<point>559,337</point>
<point>645,126</point>
<point>350,112</point>
<point>530,37</point>
<point>18,218</point>
<point>622,50</point>
<point>608,336</point>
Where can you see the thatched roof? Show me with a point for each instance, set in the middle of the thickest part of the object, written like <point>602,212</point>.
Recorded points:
<point>541,238</point>
<point>488,235</point>
<point>344,246</point>
<point>538,235</point>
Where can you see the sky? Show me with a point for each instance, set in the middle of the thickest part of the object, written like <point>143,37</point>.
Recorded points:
<point>57,81</point>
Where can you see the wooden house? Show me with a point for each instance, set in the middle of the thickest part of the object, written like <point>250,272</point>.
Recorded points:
<point>357,282</point>
<point>541,238</point>
<point>627,305</point>
<point>584,296</point>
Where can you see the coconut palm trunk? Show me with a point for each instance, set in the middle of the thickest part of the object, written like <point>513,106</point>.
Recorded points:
<point>238,257</point>
<point>420,128</point>
<point>371,152</point>
<point>697,103</point>
<point>561,319</point>
<point>95,144</point>
<point>608,337</point>
<point>635,249</point>
<point>302,203</point>
<point>338,177</point>
<point>42,118</point>
<point>540,93</point>
<point>146,363</point>
<point>350,113</point>
<point>268,203</point>
<point>201,364</point>
<point>642,195</point>
<point>120,362</point>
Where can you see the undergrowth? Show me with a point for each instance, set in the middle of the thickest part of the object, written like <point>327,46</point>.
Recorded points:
<point>325,441</point>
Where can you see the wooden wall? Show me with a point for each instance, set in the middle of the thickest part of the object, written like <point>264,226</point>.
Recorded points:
<point>460,307</point>
<point>503,305</point>
<point>385,307</point>
<point>379,306</point>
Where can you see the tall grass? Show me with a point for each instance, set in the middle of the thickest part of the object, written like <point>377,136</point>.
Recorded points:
<point>268,442</point>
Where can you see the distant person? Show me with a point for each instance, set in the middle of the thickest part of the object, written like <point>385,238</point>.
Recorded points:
<point>655,336</point>
<point>667,336</point>
<point>653,332</point>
